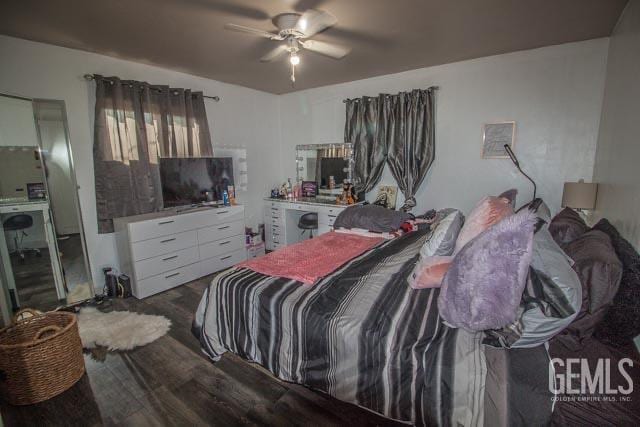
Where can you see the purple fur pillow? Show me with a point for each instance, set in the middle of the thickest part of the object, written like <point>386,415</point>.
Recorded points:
<point>484,285</point>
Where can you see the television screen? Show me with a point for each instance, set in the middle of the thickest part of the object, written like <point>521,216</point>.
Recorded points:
<point>191,181</point>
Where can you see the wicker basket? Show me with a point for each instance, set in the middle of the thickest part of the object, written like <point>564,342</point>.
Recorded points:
<point>40,357</point>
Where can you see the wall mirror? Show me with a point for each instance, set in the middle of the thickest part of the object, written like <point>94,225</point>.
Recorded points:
<point>42,247</point>
<point>323,164</point>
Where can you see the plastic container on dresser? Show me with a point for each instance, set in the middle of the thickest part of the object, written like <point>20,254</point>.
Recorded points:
<point>165,249</point>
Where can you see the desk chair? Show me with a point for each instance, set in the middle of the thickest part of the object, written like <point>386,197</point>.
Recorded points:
<point>308,221</point>
<point>17,224</point>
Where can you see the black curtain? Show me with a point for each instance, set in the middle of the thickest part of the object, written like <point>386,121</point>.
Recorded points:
<point>369,148</point>
<point>409,130</point>
<point>398,129</point>
<point>135,124</point>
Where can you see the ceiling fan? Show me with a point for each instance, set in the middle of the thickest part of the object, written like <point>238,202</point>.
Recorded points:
<point>294,31</point>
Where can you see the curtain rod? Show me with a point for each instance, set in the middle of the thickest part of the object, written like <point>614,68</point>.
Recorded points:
<point>356,99</point>
<point>90,77</point>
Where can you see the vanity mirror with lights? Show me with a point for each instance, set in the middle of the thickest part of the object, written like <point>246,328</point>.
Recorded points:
<point>43,258</point>
<point>326,165</point>
<point>329,165</point>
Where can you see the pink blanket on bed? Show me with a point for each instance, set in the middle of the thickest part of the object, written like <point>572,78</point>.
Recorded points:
<point>312,259</point>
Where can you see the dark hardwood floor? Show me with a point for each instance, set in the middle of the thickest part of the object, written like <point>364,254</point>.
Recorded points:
<point>34,281</point>
<point>170,382</point>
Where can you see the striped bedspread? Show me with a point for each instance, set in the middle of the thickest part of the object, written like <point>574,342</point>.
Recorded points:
<point>361,335</point>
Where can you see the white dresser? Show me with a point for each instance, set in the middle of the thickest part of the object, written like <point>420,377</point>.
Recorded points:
<point>281,219</point>
<point>162,250</point>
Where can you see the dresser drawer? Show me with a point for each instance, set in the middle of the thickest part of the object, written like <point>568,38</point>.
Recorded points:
<point>273,212</point>
<point>167,280</point>
<point>277,245</point>
<point>163,245</point>
<point>220,262</point>
<point>220,247</point>
<point>327,218</point>
<point>171,261</point>
<point>275,221</point>
<point>145,230</point>
<point>222,215</point>
<point>220,231</point>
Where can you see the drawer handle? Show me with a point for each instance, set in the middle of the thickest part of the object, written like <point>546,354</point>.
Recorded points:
<point>171,257</point>
<point>168,240</point>
<point>222,212</point>
<point>225,243</point>
<point>171,275</point>
<point>224,228</point>
<point>332,216</point>
<point>276,226</point>
<point>225,257</point>
<point>166,222</point>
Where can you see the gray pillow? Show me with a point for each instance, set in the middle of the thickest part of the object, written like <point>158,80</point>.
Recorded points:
<point>371,217</point>
<point>442,239</point>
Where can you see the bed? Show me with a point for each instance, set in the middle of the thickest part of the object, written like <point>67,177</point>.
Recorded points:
<point>364,336</point>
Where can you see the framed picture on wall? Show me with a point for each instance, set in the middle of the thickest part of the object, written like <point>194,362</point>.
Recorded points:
<point>387,195</point>
<point>494,138</point>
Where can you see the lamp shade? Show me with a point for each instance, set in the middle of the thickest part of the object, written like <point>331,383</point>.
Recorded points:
<point>579,195</point>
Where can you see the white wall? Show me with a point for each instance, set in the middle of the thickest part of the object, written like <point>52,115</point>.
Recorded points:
<point>554,94</point>
<point>244,117</point>
<point>617,162</point>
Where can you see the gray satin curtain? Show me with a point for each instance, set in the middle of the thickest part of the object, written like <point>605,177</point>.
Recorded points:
<point>136,124</point>
<point>398,129</point>
<point>369,149</point>
<point>409,129</point>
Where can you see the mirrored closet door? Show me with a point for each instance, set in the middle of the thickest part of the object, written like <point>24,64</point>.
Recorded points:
<point>44,263</point>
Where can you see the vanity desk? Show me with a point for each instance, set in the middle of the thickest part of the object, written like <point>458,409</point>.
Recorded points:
<point>281,218</point>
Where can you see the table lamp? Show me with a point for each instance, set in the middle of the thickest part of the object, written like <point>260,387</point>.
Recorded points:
<point>579,195</point>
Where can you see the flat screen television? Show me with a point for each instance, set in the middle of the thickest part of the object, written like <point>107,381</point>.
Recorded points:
<point>190,181</point>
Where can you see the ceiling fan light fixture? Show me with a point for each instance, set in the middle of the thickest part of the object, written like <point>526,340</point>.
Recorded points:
<point>294,59</point>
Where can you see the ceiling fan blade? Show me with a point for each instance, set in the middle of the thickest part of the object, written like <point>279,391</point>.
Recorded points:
<point>328,49</point>
<point>249,30</point>
<point>313,21</point>
<point>274,53</point>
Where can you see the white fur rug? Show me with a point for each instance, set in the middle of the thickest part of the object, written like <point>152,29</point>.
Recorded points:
<point>119,330</point>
